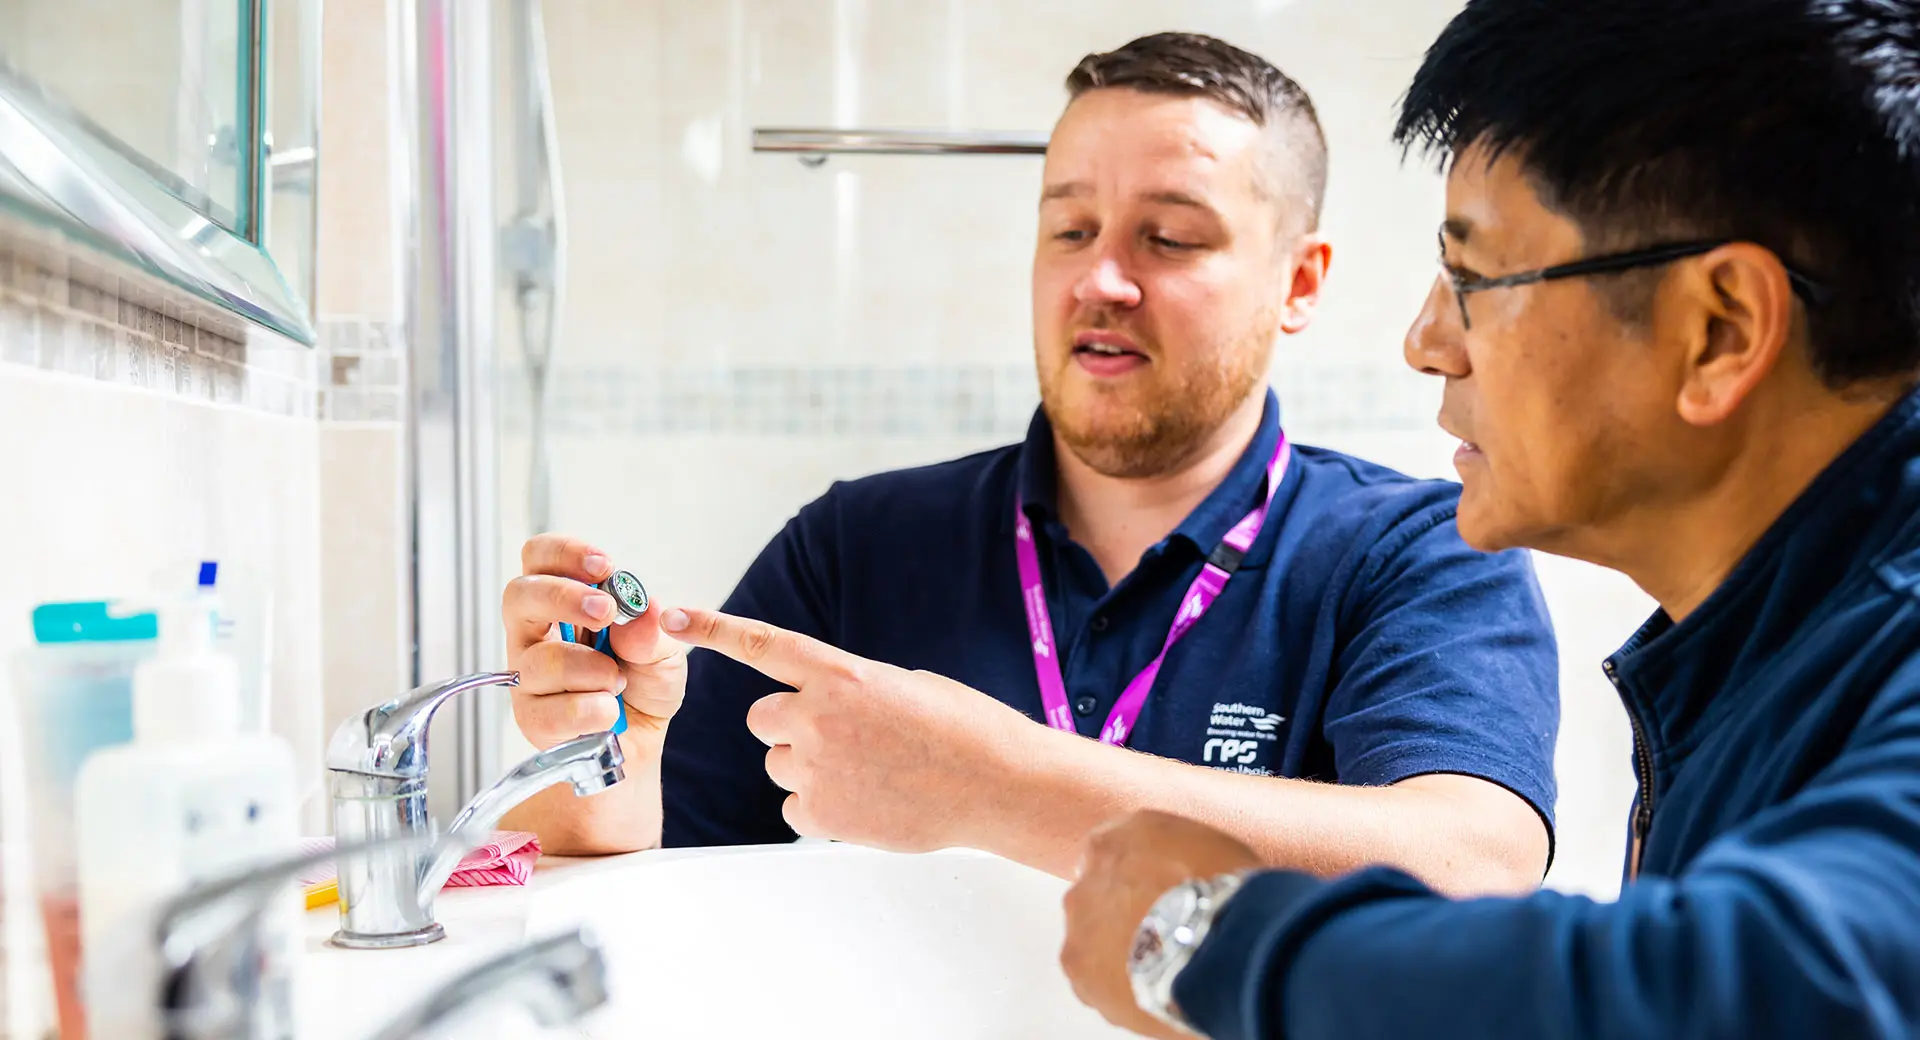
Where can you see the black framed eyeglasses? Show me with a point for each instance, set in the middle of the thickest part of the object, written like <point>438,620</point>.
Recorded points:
<point>1652,256</point>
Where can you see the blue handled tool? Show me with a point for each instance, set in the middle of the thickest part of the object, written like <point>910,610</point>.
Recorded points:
<point>603,642</point>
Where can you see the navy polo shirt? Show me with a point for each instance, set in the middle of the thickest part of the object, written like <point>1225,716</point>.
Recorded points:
<point>1360,641</point>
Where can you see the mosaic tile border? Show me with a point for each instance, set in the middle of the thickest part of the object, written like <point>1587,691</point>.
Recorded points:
<point>366,370</point>
<point>780,401</point>
<point>65,309</point>
<point>921,401</point>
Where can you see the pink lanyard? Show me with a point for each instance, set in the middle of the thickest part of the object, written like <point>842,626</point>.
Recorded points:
<point>1199,596</point>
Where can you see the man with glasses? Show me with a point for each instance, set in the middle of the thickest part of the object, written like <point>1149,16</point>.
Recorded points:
<point>1157,600</point>
<point>1465,283</point>
<point>1679,326</point>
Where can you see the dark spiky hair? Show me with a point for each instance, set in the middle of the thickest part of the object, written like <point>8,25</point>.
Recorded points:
<point>1794,124</point>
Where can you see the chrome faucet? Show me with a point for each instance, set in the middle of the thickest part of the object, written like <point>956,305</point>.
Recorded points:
<point>216,981</point>
<point>557,980</point>
<point>378,760</point>
<point>217,984</point>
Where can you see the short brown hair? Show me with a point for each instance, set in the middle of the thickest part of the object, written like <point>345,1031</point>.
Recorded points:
<point>1193,65</point>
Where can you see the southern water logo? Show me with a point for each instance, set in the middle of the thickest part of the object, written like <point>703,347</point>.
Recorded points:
<point>1237,733</point>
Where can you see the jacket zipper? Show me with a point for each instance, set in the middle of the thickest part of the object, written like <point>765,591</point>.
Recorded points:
<point>1643,770</point>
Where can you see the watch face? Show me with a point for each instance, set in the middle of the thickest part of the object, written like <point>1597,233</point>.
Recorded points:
<point>1163,924</point>
<point>1148,946</point>
<point>627,591</point>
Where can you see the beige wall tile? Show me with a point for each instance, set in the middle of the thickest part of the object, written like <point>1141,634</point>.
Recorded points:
<point>363,591</point>
<point>357,251</point>
<point>362,513</point>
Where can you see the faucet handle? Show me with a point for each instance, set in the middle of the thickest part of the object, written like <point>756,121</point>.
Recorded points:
<point>390,739</point>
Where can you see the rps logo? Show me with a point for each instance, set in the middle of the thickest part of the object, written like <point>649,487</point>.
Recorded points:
<point>1226,750</point>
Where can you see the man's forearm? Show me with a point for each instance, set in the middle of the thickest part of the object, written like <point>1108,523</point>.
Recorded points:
<point>1461,835</point>
<point>623,818</point>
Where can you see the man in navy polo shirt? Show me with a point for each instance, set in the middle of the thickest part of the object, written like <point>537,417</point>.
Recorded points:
<point>1156,601</point>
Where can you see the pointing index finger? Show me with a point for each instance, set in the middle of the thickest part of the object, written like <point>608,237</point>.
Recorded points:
<point>790,657</point>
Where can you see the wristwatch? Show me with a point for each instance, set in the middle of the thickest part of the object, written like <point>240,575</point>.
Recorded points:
<point>1168,937</point>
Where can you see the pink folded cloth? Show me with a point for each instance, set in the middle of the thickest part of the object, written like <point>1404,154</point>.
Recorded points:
<point>507,859</point>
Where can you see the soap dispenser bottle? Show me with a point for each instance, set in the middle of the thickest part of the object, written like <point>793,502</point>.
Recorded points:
<point>189,800</point>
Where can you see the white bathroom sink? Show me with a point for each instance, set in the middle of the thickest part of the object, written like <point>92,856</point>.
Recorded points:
<point>823,940</point>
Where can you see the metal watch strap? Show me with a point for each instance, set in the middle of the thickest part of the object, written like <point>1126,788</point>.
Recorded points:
<point>1212,895</point>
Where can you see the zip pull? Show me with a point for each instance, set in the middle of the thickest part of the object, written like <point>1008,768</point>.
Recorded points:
<point>1641,820</point>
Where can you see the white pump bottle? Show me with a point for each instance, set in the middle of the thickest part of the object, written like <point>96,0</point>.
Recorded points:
<point>191,799</point>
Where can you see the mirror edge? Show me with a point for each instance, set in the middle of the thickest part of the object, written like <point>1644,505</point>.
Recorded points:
<point>124,213</point>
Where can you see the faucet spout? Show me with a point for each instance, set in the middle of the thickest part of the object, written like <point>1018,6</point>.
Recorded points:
<point>591,763</point>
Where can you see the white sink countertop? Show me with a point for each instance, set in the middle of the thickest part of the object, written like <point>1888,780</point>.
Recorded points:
<point>803,940</point>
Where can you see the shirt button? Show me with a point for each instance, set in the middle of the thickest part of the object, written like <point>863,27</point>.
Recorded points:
<point>1085,705</point>
<point>1099,623</point>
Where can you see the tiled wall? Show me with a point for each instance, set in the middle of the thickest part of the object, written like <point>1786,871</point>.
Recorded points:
<point>61,311</point>
<point>363,530</point>
<point>144,431</point>
<point>135,440</point>
<point>143,428</point>
<point>365,377</point>
<point>364,535</point>
<point>742,329</point>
